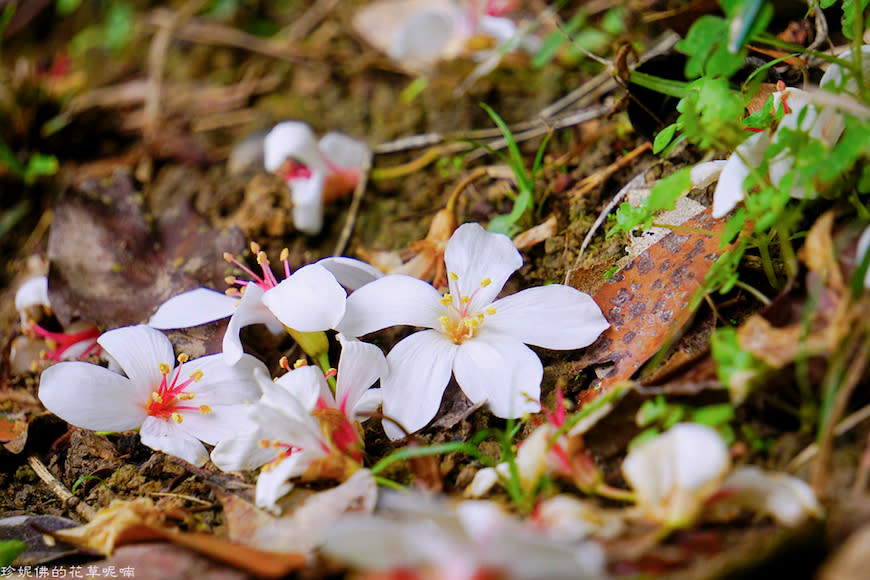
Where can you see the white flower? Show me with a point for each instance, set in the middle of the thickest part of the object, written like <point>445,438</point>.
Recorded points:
<point>861,253</point>
<point>308,300</point>
<point>785,498</point>
<point>471,335</point>
<point>315,171</point>
<point>802,113</point>
<point>299,421</point>
<point>675,473</point>
<point>475,540</point>
<point>32,293</point>
<point>175,407</point>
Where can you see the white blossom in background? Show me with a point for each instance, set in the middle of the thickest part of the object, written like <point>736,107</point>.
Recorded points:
<point>861,253</point>
<point>299,421</point>
<point>175,407</point>
<point>470,335</point>
<point>316,171</point>
<point>676,472</point>
<point>474,540</point>
<point>307,300</point>
<point>417,34</point>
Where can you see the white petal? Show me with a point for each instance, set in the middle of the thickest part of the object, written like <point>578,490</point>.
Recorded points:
<point>391,301</point>
<point>242,452</point>
<point>192,309</point>
<point>424,36</point>
<point>139,350</point>
<point>168,436</point>
<point>785,498</point>
<point>531,456</point>
<point>351,273</point>
<point>91,397</point>
<point>306,385</point>
<point>250,310</point>
<point>368,404</point>
<point>483,481</point>
<point>309,300</point>
<point>343,150</point>
<point>273,483</point>
<point>419,370</point>
<point>554,316</point>
<point>703,174</point>
<point>222,422</point>
<point>729,190</point>
<point>674,473</point>
<point>360,365</point>
<point>474,255</point>
<point>293,139</point>
<point>34,292</point>
<point>501,370</point>
<point>307,195</point>
<point>861,252</point>
<point>222,383</point>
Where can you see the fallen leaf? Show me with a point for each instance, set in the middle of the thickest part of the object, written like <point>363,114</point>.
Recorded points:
<point>302,529</point>
<point>114,263</point>
<point>41,548</point>
<point>647,301</point>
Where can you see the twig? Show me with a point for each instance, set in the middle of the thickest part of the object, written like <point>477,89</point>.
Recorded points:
<point>592,181</point>
<point>353,210</point>
<point>60,490</point>
<point>302,26</point>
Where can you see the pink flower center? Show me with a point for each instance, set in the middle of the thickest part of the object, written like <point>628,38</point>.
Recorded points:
<point>60,342</point>
<point>266,281</point>
<point>461,322</point>
<point>166,401</point>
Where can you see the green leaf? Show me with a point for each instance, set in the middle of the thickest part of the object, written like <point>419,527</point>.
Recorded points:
<point>67,7</point>
<point>9,550</point>
<point>714,415</point>
<point>664,137</point>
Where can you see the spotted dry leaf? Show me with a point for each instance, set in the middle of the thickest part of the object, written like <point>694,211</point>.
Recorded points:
<point>647,300</point>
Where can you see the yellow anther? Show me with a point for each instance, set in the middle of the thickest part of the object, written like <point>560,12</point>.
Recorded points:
<point>155,396</point>
<point>447,299</point>
<point>465,299</point>
<point>486,282</point>
<point>255,248</point>
<point>204,409</point>
<point>285,254</point>
<point>196,375</point>
<point>453,276</point>
<point>185,396</point>
<point>471,323</point>
<point>230,280</point>
<point>300,363</point>
<point>177,417</point>
<point>229,257</point>
<point>284,363</point>
<point>490,310</point>
<point>445,322</point>
<point>183,358</point>
<point>232,292</point>
<point>265,444</point>
<point>262,258</point>
<point>479,317</point>
<point>164,368</point>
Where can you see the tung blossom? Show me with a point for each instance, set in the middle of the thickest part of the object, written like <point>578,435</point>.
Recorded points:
<point>299,423</point>
<point>175,407</point>
<point>307,300</point>
<point>316,171</point>
<point>470,335</point>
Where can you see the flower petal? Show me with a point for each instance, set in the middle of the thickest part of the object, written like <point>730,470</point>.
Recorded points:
<point>139,350</point>
<point>390,301</point>
<point>250,310</point>
<point>474,255</point>
<point>419,370</point>
<point>351,273</point>
<point>309,300</point>
<point>555,316</point>
<point>307,195</point>
<point>192,309</point>
<point>785,498</point>
<point>169,437</point>
<point>306,385</point>
<point>293,139</point>
<point>343,150</point>
<point>729,190</point>
<point>91,397</point>
<point>244,451</point>
<point>367,405</point>
<point>34,292</point>
<point>221,422</point>
<point>222,383</point>
<point>360,365</point>
<point>501,370</point>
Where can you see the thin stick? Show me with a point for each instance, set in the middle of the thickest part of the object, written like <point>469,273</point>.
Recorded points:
<point>353,210</point>
<point>60,490</point>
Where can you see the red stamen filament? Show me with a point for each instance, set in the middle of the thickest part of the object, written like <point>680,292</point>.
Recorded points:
<point>163,401</point>
<point>60,342</point>
<point>267,280</point>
